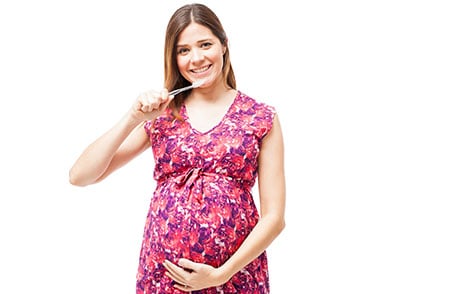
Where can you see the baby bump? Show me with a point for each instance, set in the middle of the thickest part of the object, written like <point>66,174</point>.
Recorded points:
<point>206,225</point>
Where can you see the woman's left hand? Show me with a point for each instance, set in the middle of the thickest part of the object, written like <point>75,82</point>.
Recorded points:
<point>192,276</point>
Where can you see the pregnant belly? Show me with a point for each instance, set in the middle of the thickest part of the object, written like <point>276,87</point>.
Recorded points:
<point>207,227</point>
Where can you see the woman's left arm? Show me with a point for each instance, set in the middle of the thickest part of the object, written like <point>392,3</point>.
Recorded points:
<point>271,185</point>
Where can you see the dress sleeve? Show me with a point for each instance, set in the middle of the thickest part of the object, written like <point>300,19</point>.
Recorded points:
<point>265,119</point>
<point>147,127</point>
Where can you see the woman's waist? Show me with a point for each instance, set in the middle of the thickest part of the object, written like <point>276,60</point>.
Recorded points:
<point>192,175</point>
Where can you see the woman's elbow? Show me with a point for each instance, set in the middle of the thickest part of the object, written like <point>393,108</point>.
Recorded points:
<point>75,179</point>
<point>280,225</point>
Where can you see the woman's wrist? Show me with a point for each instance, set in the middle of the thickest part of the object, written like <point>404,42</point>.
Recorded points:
<point>224,273</point>
<point>130,121</point>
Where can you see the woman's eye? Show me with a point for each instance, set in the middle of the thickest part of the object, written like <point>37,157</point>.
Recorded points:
<point>206,44</point>
<point>182,51</point>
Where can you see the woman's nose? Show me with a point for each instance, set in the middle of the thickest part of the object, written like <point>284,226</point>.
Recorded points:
<point>197,55</point>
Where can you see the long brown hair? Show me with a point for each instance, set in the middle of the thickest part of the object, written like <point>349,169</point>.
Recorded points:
<point>181,18</point>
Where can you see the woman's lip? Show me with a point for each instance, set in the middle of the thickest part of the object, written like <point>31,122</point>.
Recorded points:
<point>201,69</point>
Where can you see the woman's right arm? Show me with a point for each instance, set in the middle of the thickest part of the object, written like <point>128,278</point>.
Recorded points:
<point>124,141</point>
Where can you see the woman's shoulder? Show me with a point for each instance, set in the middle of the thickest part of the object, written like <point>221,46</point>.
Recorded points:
<point>256,115</point>
<point>253,104</point>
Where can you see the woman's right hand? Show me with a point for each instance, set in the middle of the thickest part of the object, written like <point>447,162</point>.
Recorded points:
<point>149,105</point>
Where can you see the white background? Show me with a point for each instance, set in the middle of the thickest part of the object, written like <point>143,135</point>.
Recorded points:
<point>364,91</point>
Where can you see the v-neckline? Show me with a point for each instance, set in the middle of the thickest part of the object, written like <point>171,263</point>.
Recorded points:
<point>227,112</point>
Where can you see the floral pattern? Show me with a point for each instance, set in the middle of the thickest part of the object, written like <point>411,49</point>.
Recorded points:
<point>202,208</point>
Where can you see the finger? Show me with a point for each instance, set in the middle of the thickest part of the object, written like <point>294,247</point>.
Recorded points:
<point>184,288</point>
<point>138,105</point>
<point>164,104</point>
<point>176,273</point>
<point>149,100</point>
<point>144,97</point>
<point>187,264</point>
<point>176,279</point>
<point>145,108</point>
<point>164,95</point>
<point>142,102</point>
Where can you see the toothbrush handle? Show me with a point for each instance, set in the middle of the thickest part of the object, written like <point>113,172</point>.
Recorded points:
<point>180,90</point>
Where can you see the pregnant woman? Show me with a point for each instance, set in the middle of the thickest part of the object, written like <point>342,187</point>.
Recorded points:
<point>211,143</point>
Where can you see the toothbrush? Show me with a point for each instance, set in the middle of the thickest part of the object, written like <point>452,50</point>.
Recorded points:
<point>195,84</point>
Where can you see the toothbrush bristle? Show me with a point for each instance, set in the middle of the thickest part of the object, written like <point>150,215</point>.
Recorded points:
<point>198,83</point>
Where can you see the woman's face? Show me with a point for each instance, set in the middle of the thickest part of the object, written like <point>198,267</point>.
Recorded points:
<point>199,54</point>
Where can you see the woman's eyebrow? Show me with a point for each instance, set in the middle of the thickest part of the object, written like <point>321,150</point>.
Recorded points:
<point>197,42</point>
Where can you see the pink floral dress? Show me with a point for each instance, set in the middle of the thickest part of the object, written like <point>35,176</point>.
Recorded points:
<point>202,208</point>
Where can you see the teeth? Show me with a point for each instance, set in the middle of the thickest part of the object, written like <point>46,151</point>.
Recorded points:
<point>198,70</point>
